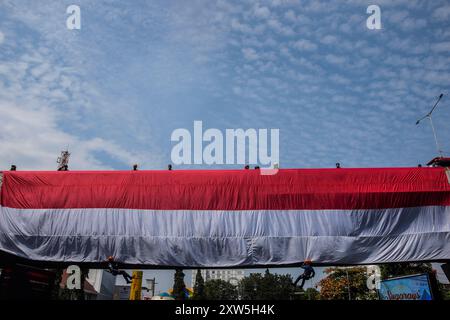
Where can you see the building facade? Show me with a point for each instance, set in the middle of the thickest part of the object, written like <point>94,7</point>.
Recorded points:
<point>232,276</point>
<point>103,282</point>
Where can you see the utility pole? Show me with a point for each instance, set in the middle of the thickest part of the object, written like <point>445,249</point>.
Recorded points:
<point>151,283</point>
<point>348,285</point>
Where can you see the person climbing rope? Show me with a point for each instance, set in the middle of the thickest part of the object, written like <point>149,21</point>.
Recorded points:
<point>113,268</point>
<point>309,273</point>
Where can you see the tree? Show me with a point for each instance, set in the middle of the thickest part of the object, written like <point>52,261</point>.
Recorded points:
<point>445,291</point>
<point>312,294</point>
<point>403,269</point>
<point>218,289</point>
<point>267,287</point>
<point>199,287</point>
<point>74,294</point>
<point>179,286</point>
<point>345,284</point>
<point>56,286</point>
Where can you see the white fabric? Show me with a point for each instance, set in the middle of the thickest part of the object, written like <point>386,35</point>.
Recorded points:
<point>227,238</point>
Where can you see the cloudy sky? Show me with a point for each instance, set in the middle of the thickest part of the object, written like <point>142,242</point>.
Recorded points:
<point>114,91</point>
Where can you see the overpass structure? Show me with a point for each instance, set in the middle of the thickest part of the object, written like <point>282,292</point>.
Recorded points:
<point>226,218</point>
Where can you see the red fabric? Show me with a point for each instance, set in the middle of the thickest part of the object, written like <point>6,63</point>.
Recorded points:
<point>228,189</point>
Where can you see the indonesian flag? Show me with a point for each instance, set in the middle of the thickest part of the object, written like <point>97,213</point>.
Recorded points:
<point>227,218</point>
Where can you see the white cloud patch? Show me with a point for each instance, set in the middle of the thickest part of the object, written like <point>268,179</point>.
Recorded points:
<point>41,103</point>
<point>304,45</point>
<point>334,59</point>
<point>328,39</point>
<point>244,28</point>
<point>261,12</point>
<point>290,16</point>
<point>2,37</point>
<point>276,25</point>
<point>250,54</point>
<point>404,20</point>
<point>442,13</point>
<point>441,47</point>
<point>32,140</point>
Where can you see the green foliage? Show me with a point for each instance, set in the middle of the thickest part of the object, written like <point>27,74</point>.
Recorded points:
<point>345,284</point>
<point>403,269</point>
<point>312,294</point>
<point>267,287</point>
<point>56,287</point>
<point>308,294</point>
<point>73,294</point>
<point>444,291</point>
<point>179,286</point>
<point>220,290</point>
<point>199,287</point>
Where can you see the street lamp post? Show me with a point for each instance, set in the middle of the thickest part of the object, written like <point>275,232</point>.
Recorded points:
<point>348,285</point>
<point>150,286</point>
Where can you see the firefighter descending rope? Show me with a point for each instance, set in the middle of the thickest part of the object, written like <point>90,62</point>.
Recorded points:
<point>309,273</point>
<point>113,268</point>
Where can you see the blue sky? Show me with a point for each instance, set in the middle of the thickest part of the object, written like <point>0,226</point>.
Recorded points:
<point>165,278</point>
<point>115,90</point>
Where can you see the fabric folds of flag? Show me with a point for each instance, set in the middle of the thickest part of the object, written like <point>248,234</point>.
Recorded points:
<point>227,218</point>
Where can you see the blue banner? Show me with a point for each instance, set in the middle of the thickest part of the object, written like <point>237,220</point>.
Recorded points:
<point>406,288</point>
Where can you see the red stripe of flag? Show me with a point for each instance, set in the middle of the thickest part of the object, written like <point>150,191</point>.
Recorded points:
<point>290,189</point>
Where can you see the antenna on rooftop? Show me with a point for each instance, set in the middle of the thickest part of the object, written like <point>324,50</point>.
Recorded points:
<point>428,115</point>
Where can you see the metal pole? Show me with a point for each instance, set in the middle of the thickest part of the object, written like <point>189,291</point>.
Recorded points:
<point>435,136</point>
<point>153,286</point>
<point>348,285</point>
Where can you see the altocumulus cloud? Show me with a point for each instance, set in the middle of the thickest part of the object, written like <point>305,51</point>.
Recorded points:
<point>337,91</point>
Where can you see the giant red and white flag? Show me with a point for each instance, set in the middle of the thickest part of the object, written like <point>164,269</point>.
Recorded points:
<point>227,218</point>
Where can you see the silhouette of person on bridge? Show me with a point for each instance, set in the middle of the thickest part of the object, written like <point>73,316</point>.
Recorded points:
<point>309,273</point>
<point>113,268</point>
